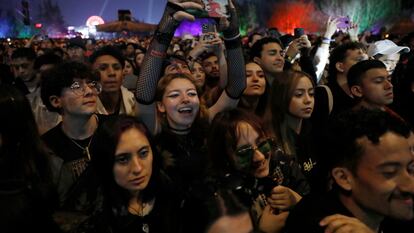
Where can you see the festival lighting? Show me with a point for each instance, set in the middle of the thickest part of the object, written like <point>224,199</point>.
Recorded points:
<point>289,15</point>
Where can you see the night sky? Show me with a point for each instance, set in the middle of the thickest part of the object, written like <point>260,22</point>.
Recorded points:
<point>76,12</point>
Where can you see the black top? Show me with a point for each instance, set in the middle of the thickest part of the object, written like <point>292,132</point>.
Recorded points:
<point>25,207</point>
<point>309,147</point>
<point>76,181</point>
<point>184,158</point>
<point>252,191</point>
<point>341,100</point>
<point>163,218</point>
<point>311,209</point>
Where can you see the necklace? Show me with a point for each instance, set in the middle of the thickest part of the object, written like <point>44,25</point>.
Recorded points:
<point>138,211</point>
<point>84,149</point>
<point>141,213</point>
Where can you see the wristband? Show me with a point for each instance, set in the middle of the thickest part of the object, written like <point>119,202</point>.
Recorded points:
<point>327,40</point>
<point>232,38</point>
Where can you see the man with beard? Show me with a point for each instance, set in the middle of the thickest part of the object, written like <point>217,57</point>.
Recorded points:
<point>371,165</point>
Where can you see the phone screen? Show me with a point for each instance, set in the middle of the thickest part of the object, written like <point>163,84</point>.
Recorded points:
<point>208,30</point>
<point>216,8</point>
<point>343,22</point>
<point>298,32</point>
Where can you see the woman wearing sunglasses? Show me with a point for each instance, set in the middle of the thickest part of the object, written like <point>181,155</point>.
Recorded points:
<point>245,159</point>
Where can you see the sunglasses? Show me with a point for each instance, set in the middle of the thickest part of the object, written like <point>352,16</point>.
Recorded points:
<point>245,153</point>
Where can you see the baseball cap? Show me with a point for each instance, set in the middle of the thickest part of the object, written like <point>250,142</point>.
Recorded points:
<point>386,47</point>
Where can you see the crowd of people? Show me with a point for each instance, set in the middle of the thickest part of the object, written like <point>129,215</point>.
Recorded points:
<point>217,133</point>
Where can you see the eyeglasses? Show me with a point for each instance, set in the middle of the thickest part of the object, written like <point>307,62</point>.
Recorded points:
<point>244,154</point>
<point>79,88</point>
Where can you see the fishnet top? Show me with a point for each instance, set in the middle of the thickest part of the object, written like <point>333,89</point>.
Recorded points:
<point>152,65</point>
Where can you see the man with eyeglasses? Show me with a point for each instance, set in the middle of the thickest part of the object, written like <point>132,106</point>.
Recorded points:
<point>114,98</point>
<point>71,89</point>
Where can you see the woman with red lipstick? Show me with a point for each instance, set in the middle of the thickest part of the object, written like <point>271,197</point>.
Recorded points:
<point>245,159</point>
<point>290,106</point>
<point>136,197</point>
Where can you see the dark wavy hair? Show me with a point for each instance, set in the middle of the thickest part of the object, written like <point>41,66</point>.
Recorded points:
<point>116,198</point>
<point>61,76</point>
<point>338,54</point>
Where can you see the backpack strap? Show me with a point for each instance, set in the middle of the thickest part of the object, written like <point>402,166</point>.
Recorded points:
<point>330,96</point>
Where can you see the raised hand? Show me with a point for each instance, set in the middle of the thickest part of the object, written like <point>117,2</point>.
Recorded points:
<point>353,31</point>
<point>331,26</point>
<point>179,13</point>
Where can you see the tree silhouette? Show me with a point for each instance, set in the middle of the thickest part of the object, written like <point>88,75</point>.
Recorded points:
<point>50,16</point>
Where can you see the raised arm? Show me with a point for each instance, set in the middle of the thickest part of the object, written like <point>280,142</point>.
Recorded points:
<point>151,68</point>
<point>322,53</point>
<point>236,67</point>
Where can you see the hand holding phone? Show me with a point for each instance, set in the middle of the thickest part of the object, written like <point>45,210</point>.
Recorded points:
<point>343,22</point>
<point>208,32</point>
<point>298,32</point>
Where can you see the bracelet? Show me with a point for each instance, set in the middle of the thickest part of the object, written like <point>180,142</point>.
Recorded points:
<point>233,38</point>
<point>327,40</point>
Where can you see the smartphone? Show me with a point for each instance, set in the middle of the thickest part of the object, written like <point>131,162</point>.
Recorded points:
<point>208,30</point>
<point>343,22</point>
<point>216,8</point>
<point>298,32</point>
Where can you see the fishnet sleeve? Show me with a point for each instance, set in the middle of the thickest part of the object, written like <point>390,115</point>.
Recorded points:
<point>236,68</point>
<point>152,64</point>
<point>151,71</point>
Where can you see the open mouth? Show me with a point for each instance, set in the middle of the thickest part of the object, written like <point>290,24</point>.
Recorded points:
<point>185,110</point>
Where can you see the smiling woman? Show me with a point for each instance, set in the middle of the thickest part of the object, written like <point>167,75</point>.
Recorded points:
<point>245,159</point>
